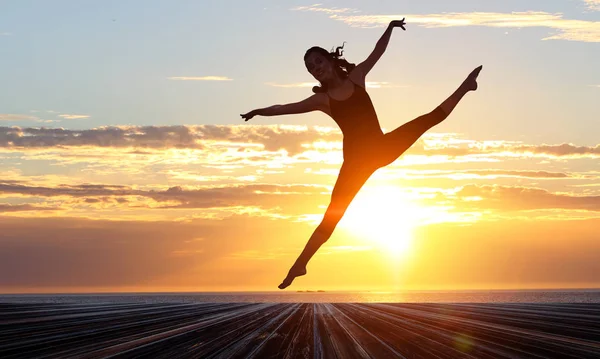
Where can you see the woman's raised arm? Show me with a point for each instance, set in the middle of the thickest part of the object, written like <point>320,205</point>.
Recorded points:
<point>312,103</point>
<point>366,66</point>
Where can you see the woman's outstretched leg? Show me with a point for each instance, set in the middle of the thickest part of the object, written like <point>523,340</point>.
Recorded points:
<point>350,180</point>
<point>400,139</point>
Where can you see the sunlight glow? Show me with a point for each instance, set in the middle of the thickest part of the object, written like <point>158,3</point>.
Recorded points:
<point>385,217</point>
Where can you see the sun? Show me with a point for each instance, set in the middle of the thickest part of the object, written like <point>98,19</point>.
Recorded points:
<point>383,216</point>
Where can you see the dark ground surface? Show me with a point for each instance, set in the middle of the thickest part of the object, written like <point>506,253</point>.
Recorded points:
<point>300,330</point>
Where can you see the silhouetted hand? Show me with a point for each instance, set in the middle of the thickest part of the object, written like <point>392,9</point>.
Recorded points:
<point>398,23</point>
<point>249,115</point>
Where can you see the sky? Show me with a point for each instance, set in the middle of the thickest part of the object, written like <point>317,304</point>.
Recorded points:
<point>125,165</point>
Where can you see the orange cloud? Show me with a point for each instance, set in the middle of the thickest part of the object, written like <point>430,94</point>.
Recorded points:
<point>245,140</point>
<point>254,199</point>
<point>515,198</point>
<point>24,207</point>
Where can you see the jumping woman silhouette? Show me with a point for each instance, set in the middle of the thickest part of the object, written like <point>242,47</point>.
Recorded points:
<point>366,148</point>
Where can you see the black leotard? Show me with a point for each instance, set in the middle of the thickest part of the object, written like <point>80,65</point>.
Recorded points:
<point>357,119</point>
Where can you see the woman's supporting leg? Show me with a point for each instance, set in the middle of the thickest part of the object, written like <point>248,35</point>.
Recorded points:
<point>400,139</point>
<point>350,180</point>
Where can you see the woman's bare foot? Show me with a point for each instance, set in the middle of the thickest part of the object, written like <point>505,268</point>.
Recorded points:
<point>470,83</point>
<point>292,274</point>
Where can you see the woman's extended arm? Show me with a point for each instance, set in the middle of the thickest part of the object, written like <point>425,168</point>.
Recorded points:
<point>312,103</point>
<point>380,47</point>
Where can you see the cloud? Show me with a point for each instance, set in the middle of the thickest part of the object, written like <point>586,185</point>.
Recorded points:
<point>517,198</point>
<point>567,29</point>
<point>255,144</point>
<point>318,8</point>
<point>490,174</point>
<point>526,174</point>
<point>16,117</point>
<point>272,138</point>
<point>451,146</point>
<point>297,197</point>
<point>20,117</point>
<point>148,136</point>
<point>237,195</point>
<point>24,207</point>
<point>593,4</point>
<point>562,150</point>
<point>73,117</point>
<point>66,190</point>
<point>204,78</point>
<point>285,201</point>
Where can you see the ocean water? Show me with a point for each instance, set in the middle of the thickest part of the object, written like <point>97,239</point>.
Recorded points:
<point>478,296</point>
